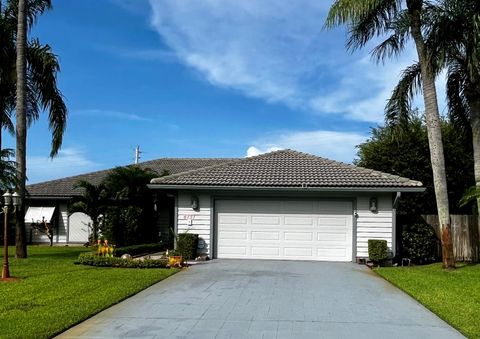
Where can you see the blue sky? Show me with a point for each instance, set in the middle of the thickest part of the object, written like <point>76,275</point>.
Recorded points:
<point>210,78</point>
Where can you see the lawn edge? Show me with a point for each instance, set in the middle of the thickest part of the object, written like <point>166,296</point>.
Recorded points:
<point>414,298</point>
<point>117,302</point>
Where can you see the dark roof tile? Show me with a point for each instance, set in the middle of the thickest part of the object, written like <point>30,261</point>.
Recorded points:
<point>64,187</point>
<point>286,168</point>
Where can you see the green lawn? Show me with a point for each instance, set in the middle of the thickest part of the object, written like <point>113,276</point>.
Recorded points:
<point>53,293</point>
<point>452,295</point>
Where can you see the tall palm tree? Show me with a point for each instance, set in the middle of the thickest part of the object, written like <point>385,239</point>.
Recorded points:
<point>27,89</point>
<point>21,128</point>
<point>401,20</point>
<point>453,43</point>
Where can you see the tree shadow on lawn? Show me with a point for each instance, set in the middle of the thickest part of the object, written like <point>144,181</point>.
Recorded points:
<point>463,265</point>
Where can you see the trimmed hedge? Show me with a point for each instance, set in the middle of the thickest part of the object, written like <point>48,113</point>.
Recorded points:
<point>139,249</point>
<point>187,245</point>
<point>377,250</point>
<point>91,259</point>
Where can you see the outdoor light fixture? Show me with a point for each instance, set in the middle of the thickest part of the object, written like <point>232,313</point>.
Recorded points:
<point>195,203</point>
<point>373,205</point>
<point>17,199</point>
<point>9,199</point>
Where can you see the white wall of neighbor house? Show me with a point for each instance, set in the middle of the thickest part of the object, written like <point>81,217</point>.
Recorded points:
<point>60,234</point>
<point>369,225</point>
<point>79,229</point>
<point>71,229</point>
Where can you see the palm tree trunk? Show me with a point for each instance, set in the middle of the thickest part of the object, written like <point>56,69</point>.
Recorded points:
<point>434,131</point>
<point>474,104</point>
<point>21,128</point>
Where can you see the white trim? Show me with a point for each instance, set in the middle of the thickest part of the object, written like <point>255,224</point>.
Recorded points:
<point>287,189</point>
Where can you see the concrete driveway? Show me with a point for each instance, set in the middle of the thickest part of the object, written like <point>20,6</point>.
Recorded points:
<point>268,299</point>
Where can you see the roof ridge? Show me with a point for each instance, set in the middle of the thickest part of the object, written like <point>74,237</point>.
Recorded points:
<point>193,158</point>
<point>228,163</point>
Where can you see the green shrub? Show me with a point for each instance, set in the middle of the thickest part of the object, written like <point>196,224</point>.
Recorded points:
<point>419,242</point>
<point>139,249</point>
<point>91,259</point>
<point>187,245</point>
<point>377,250</point>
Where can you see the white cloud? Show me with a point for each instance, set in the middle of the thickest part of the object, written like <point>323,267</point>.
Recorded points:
<point>253,151</point>
<point>70,161</point>
<point>333,145</point>
<point>277,51</point>
<point>99,113</point>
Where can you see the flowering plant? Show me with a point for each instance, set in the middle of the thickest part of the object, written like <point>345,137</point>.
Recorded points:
<point>105,250</point>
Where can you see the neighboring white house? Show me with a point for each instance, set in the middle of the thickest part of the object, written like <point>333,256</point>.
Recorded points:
<point>50,200</point>
<point>286,205</point>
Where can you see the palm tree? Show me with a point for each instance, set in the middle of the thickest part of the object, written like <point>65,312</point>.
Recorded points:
<point>93,203</point>
<point>453,42</point>
<point>368,19</point>
<point>21,128</point>
<point>28,86</point>
<point>129,183</point>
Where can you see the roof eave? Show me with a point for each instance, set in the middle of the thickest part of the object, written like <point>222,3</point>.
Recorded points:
<point>48,197</point>
<point>292,189</point>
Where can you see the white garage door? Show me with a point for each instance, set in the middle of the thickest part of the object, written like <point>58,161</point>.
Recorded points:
<point>283,229</point>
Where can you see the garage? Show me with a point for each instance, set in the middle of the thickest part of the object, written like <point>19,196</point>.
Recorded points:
<point>284,229</point>
<point>286,205</point>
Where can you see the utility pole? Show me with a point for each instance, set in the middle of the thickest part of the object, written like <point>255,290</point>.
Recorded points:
<point>137,154</point>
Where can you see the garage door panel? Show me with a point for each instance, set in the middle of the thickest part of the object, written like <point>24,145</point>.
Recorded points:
<point>232,220</point>
<point>266,251</point>
<point>298,236</point>
<point>332,221</point>
<point>276,229</point>
<point>233,235</point>
<point>232,250</point>
<point>298,220</point>
<point>266,220</point>
<point>331,252</point>
<point>332,237</point>
<point>257,235</point>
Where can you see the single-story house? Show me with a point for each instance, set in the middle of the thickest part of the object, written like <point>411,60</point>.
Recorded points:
<point>49,201</point>
<point>286,205</point>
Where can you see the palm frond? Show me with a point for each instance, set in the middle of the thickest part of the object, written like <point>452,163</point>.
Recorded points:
<point>35,8</point>
<point>472,194</point>
<point>458,108</point>
<point>43,68</point>
<point>395,43</point>
<point>373,21</point>
<point>347,11</point>
<point>8,172</point>
<point>398,108</point>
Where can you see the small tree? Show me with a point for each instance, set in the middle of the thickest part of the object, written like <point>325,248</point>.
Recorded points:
<point>47,228</point>
<point>93,203</point>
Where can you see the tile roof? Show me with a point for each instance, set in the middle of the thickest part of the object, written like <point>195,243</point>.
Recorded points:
<point>287,168</point>
<point>63,188</point>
